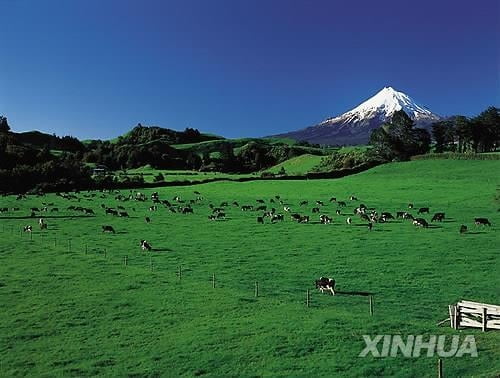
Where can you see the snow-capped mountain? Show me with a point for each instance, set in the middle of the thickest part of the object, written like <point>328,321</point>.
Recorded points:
<point>356,125</point>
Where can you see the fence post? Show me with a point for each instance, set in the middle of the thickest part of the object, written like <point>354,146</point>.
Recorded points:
<point>180,272</point>
<point>371,305</point>
<point>126,260</point>
<point>213,280</point>
<point>69,245</point>
<point>86,249</point>
<point>105,252</point>
<point>485,313</point>
<point>31,236</point>
<point>256,289</point>
<point>440,368</point>
<point>308,298</point>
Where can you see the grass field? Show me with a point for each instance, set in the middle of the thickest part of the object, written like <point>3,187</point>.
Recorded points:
<point>298,165</point>
<point>170,175</point>
<point>70,313</point>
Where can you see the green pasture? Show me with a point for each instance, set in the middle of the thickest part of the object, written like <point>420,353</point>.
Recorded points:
<point>71,307</point>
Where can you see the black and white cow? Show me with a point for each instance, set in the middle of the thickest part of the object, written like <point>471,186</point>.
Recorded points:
<point>325,219</point>
<point>145,246</point>
<point>108,229</point>
<point>482,222</point>
<point>420,222</point>
<point>325,284</point>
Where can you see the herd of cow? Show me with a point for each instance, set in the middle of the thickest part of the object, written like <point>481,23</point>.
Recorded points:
<point>263,210</point>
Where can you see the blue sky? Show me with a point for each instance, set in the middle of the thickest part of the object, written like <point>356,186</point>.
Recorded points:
<point>95,68</point>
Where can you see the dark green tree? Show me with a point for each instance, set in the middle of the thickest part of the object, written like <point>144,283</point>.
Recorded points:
<point>398,139</point>
<point>4,125</point>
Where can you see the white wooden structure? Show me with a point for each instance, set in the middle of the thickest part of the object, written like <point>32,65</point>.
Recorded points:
<point>474,314</point>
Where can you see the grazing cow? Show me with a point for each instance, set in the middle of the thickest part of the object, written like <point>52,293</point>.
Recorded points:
<point>410,206</point>
<point>272,200</point>
<point>325,284</point>
<point>277,217</point>
<point>197,193</point>
<point>353,198</point>
<point>348,220</point>
<point>224,204</point>
<point>172,209</point>
<point>438,217</point>
<point>246,207</point>
<point>333,199</point>
<point>407,216</point>
<point>315,210</point>
<point>261,208</point>
<point>359,210</point>
<point>236,204</point>
<point>145,246</point>
<point>304,219</point>
<point>147,219</point>
<point>260,201</point>
<point>212,217</point>
<point>482,222</point>
<point>221,215</point>
<point>295,217</point>
<point>387,215</point>
<point>423,210</point>
<point>153,208</point>
<point>124,214</point>
<point>108,229</point>
<point>420,222</point>
<point>260,220</point>
<point>463,229</point>
<point>338,212</point>
<point>187,210</point>
<point>320,203</point>
<point>302,203</point>
<point>43,226</point>
<point>341,204</point>
<point>286,208</point>
<point>111,211</point>
<point>28,229</point>
<point>325,219</point>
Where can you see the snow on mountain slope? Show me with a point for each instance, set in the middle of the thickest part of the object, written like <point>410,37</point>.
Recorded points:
<point>385,103</point>
<point>355,126</point>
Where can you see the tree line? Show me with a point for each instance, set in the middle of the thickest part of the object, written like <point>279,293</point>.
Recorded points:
<point>400,140</point>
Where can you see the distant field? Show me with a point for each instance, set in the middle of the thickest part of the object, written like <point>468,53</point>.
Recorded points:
<point>70,313</point>
<point>298,165</point>
<point>172,175</point>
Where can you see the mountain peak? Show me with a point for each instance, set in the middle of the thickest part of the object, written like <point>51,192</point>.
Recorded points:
<point>356,125</point>
<point>383,105</point>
